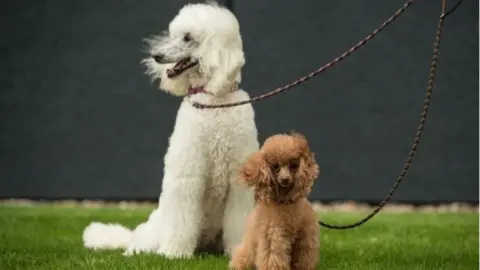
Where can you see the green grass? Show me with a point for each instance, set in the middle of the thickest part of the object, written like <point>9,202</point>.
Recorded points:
<point>50,238</point>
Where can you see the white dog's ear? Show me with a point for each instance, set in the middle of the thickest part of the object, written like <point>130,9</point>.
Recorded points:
<point>222,65</point>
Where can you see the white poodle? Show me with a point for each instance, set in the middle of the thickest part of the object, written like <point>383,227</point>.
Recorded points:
<point>202,204</point>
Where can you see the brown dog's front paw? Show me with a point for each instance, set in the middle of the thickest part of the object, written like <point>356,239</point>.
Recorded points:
<point>231,266</point>
<point>240,266</point>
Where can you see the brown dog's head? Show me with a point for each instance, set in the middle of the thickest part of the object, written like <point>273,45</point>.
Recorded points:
<point>283,170</point>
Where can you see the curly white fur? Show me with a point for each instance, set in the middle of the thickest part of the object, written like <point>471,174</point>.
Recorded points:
<point>201,196</point>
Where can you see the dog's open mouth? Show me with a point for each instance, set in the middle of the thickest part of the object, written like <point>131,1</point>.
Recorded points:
<point>181,66</point>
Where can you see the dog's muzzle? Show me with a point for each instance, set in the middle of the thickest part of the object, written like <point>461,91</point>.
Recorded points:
<point>180,66</point>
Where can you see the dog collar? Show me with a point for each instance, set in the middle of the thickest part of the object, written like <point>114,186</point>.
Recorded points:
<point>199,89</point>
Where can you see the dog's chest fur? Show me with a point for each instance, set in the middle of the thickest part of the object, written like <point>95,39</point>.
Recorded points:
<point>225,146</point>
<point>225,138</point>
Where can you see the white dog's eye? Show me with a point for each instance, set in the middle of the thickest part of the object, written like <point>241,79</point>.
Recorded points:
<point>187,37</point>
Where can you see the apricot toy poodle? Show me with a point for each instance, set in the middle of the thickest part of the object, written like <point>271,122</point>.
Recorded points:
<point>282,232</point>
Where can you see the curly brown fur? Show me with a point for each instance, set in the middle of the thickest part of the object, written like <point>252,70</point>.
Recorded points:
<point>282,231</point>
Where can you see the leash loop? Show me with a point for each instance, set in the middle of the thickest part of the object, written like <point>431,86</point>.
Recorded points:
<point>420,128</point>
<point>423,116</point>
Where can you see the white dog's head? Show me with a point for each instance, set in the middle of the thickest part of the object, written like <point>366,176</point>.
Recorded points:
<point>202,48</point>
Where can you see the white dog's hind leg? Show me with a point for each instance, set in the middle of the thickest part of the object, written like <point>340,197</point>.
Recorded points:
<point>240,203</point>
<point>106,236</point>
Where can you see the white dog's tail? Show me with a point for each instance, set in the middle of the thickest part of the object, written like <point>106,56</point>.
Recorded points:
<point>106,236</point>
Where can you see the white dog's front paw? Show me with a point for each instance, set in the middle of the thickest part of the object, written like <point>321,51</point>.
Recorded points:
<point>228,251</point>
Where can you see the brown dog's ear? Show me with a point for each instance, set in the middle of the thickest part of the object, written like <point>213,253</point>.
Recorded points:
<point>308,172</point>
<point>255,170</point>
<point>310,168</point>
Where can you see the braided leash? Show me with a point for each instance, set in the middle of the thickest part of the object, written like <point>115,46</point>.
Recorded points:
<point>314,73</point>
<point>418,135</point>
<point>423,116</point>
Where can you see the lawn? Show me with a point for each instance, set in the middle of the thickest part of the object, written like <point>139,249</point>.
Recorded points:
<point>47,237</point>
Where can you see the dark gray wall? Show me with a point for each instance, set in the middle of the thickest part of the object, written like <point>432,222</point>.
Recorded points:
<point>78,118</point>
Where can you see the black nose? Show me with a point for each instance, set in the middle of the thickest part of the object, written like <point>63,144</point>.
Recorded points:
<point>285,182</point>
<point>158,58</point>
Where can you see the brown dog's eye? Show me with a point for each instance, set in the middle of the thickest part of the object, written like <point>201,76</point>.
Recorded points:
<point>293,166</point>
<point>276,167</point>
<point>187,37</point>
